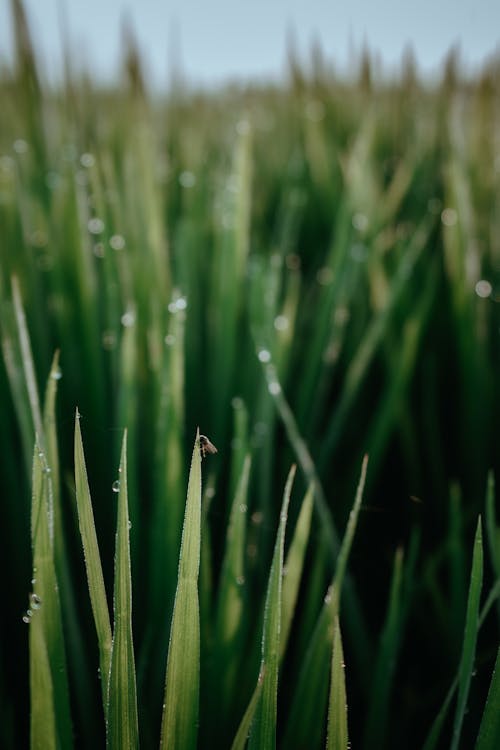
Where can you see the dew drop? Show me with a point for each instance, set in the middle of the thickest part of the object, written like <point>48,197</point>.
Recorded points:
<point>187,179</point>
<point>130,525</point>
<point>240,580</point>
<point>264,355</point>
<point>449,217</point>
<point>117,242</point>
<point>237,402</point>
<point>20,146</point>
<point>87,160</point>
<point>116,485</point>
<point>99,250</point>
<point>281,323</point>
<point>274,388</point>
<point>243,508</point>
<point>26,619</point>
<point>483,289</point>
<point>56,374</point>
<point>242,127</point>
<point>128,319</point>
<point>95,225</point>
<point>169,339</point>
<point>360,222</point>
<point>35,601</point>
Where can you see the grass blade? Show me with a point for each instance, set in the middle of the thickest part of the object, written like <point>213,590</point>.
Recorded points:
<point>489,731</point>
<point>470,635</point>
<point>180,713</point>
<point>50,708</point>
<point>229,628</point>
<point>93,566</point>
<point>337,737</point>
<point>383,674</point>
<point>263,732</point>
<point>292,571</point>
<point>122,723</point>
<point>304,729</point>
<point>241,737</point>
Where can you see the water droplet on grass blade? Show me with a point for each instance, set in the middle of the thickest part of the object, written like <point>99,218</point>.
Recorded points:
<point>117,242</point>
<point>26,619</point>
<point>128,319</point>
<point>264,355</point>
<point>87,160</point>
<point>95,225</point>
<point>116,485</point>
<point>274,388</point>
<point>483,288</point>
<point>56,374</point>
<point>35,601</point>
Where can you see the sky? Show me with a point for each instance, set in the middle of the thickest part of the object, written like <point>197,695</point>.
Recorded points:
<point>219,40</point>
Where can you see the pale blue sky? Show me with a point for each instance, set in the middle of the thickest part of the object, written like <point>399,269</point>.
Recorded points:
<point>223,39</point>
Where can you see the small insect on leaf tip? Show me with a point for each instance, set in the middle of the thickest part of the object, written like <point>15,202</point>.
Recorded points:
<point>206,446</point>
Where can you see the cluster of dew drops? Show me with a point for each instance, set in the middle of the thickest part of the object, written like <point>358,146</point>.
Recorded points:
<point>34,604</point>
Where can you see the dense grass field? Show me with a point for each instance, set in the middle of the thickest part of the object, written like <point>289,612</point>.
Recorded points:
<point>309,275</point>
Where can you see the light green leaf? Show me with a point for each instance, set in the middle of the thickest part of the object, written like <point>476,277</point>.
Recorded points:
<point>263,731</point>
<point>337,737</point>
<point>50,708</point>
<point>93,566</point>
<point>180,711</point>
<point>122,723</point>
<point>292,571</point>
<point>241,737</point>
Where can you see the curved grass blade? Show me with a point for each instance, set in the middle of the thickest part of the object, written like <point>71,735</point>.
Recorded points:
<point>470,635</point>
<point>241,737</point>
<point>337,736</point>
<point>50,710</point>
<point>489,731</point>
<point>93,566</point>
<point>122,723</point>
<point>180,712</point>
<point>263,731</point>
<point>292,571</point>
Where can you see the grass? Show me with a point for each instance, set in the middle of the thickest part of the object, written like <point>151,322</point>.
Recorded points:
<point>308,274</point>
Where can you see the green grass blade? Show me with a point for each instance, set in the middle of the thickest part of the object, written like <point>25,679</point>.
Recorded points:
<point>93,566</point>
<point>492,531</point>
<point>263,731</point>
<point>241,736</point>
<point>292,571</point>
<point>337,737</point>
<point>122,722</point>
<point>230,626</point>
<point>50,713</point>
<point>304,728</point>
<point>27,359</point>
<point>489,731</point>
<point>180,713</point>
<point>376,723</point>
<point>470,635</point>
<point>437,725</point>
